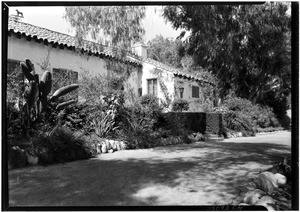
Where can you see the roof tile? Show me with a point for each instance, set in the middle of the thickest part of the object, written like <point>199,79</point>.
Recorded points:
<point>55,37</point>
<point>70,41</point>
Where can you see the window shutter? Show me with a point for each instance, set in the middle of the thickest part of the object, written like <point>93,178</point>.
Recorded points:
<point>149,86</point>
<point>155,87</point>
<point>195,91</point>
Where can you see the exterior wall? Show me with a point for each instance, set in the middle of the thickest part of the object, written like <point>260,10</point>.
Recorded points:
<point>194,103</point>
<point>38,53</point>
<point>165,82</point>
<point>19,49</point>
<point>133,84</point>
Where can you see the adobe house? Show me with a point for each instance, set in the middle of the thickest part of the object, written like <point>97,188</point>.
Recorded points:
<point>57,52</point>
<point>166,82</point>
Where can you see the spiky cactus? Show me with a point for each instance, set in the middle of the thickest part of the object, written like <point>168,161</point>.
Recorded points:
<point>36,93</point>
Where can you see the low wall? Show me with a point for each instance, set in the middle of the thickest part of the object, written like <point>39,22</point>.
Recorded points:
<point>197,122</point>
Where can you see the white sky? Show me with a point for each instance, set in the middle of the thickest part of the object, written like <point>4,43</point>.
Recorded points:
<point>52,18</point>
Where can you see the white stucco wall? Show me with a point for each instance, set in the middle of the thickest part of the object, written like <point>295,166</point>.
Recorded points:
<point>19,49</point>
<point>194,103</point>
<point>167,84</point>
<point>164,79</point>
<point>132,85</point>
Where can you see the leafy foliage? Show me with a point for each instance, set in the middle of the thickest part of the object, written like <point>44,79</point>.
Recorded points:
<point>180,105</point>
<point>120,25</point>
<point>164,50</point>
<point>242,115</point>
<point>104,124</point>
<point>247,47</point>
<point>60,146</point>
<point>149,100</point>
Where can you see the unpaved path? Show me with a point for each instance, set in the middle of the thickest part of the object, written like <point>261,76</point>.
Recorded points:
<point>190,174</point>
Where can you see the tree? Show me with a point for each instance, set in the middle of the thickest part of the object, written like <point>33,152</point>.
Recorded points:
<point>165,50</point>
<point>120,25</point>
<point>245,46</point>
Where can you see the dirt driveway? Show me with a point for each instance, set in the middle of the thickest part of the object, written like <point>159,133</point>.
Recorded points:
<point>191,174</point>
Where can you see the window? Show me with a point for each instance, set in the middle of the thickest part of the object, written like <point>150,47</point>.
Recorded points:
<point>181,89</point>
<point>195,91</point>
<point>152,86</point>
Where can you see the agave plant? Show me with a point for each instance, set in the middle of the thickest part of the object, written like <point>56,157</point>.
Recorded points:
<point>104,124</point>
<point>37,91</point>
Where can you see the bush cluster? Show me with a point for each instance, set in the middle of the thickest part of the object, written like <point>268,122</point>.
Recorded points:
<point>102,115</point>
<point>180,105</point>
<point>60,146</point>
<point>244,116</point>
<point>145,125</point>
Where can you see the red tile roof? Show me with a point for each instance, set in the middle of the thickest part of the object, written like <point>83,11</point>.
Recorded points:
<point>57,38</point>
<point>68,41</point>
<point>175,71</point>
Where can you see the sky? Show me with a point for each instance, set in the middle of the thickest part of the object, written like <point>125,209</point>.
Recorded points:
<point>52,18</point>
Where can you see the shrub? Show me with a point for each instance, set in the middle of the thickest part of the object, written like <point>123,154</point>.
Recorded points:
<point>150,101</point>
<point>144,125</point>
<point>242,115</point>
<point>76,117</point>
<point>180,105</point>
<point>104,124</point>
<point>60,146</point>
<point>238,121</point>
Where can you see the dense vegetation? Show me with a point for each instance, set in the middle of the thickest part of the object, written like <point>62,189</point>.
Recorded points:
<point>246,47</point>
<point>244,50</point>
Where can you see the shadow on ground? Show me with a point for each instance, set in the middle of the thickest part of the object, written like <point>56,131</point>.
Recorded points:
<point>194,174</point>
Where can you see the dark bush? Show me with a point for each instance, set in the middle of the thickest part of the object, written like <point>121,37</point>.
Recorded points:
<point>61,146</point>
<point>180,105</point>
<point>144,126</point>
<point>150,101</point>
<point>242,115</point>
<point>238,121</point>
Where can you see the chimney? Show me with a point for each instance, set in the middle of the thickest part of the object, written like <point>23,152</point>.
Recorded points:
<point>140,49</point>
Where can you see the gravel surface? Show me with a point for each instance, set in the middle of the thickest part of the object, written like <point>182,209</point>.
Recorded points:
<point>190,174</point>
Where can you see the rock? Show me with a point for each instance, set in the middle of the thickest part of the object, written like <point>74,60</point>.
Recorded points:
<point>110,151</point>
<point>118,145</point>
<point>229,135</point>
<point>265,200</point>
<point>103,147</point>
<point>113,145</point>
<point>17,157</point>
<point>107,143</point>
<point>280,179</point>
<point>98,148</point>
<point>251,197</point>
<point>199,137</point>
<point>192,137</point>
<point>267,181</point>
<point>122,145</point>
<point>32,159</point>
